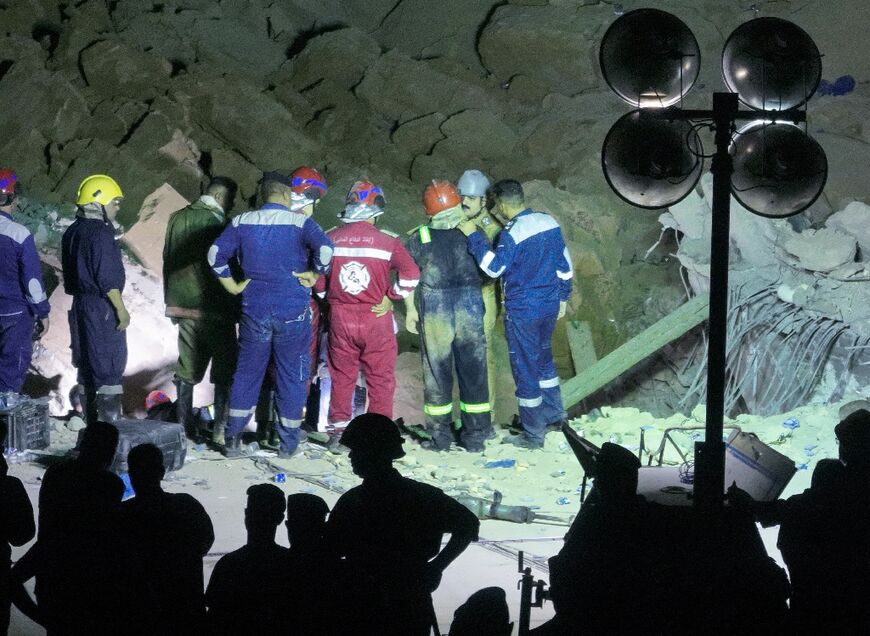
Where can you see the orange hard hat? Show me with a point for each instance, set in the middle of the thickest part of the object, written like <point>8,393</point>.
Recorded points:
<point>440,195</point>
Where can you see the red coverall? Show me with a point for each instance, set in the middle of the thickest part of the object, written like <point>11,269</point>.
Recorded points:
<point>360,277</point>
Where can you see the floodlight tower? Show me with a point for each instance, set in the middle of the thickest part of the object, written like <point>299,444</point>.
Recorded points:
<point>653,157</point>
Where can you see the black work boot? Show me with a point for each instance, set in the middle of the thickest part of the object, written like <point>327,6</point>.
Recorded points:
<point>108,407</point>
<point>221,414</point>
<point>184,410</point>
<point>89,407</point>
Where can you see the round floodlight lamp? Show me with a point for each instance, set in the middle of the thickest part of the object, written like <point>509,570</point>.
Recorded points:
<point>772,64</point>
<point>652,162</point>
<point>779,170</point>
<point>649,58</point>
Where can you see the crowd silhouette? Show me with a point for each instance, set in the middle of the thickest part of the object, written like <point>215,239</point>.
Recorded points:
<point>371,564</point>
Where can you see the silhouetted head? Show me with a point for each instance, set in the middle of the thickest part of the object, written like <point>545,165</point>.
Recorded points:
<point>145,465</point>
<point>485,613</point>
<point>829,478</point>
<point>98,445</point>
<point>374,441</point>
<point>616,471</point>
<point>853,434</point>
<point>306,516</point>
<point>265,509</point>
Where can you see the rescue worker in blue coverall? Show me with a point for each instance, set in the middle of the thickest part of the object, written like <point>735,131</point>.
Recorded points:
<point>93,274</point>
<point>22,293</point>
<point>274,246</point>
<point>531,258</point>
<point>450,309</point>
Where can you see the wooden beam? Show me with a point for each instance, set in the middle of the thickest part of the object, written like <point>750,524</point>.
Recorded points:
<point>581,346</point>
<point>643,345</point>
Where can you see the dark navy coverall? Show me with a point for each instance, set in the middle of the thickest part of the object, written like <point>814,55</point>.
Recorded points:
<point>92,266</point>
<point>533,262</point>
<point>22,297</point>
<point>450,304</point>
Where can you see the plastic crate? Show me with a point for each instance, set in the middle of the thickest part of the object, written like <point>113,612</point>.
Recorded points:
<point>168,437</point>
<point>29,427</point>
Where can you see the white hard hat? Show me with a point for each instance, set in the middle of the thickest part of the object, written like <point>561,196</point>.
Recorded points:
<point>473,183</point>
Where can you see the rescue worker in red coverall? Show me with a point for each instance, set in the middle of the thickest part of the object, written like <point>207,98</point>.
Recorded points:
<point>360,291</point>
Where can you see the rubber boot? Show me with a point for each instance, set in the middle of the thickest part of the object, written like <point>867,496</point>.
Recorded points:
<point>221,414</point>
<point>108,407</point>
<point>233,447</point>
<point>184,410</point>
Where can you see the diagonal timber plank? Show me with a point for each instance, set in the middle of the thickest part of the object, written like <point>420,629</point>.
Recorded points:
<point>643,345</point>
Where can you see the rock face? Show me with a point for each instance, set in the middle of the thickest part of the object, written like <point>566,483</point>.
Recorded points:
<point>397,91</point>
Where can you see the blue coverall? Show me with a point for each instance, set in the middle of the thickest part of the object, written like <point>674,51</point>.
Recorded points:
<point>450,304</point>
<point>22,299</point>
<point>531,258</point>
<point>271,243</point>
<point>92,266</point>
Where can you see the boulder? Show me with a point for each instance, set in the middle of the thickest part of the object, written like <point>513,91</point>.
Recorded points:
<point>557,45</point>
<point>236,45</point>
<point>822,250</point>
<point>341,56</point>
<point>147,236</point>
<point>472,137</point>
<point>112,68</point>
<point>387,88</point>
<point>42,100</point>
<point>423,29</point>
<point>854,219</point>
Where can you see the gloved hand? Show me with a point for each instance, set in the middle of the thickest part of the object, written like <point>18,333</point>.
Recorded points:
<point>123,319</point>
<point>411,320</point>
<point>563,307</point>
<point>383,308</point>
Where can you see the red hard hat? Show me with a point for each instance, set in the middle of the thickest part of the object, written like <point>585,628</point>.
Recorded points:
<point>439,196</point>
<point>366,193</point>
<point>308,182</point>
<point>7,181</point>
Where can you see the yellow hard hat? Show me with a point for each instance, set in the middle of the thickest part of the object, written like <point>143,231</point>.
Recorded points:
<point>98,188</point>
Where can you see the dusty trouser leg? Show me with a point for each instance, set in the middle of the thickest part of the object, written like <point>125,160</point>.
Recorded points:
<point>292,366</point>
<point>255,348</point>
<point>100,354</point>
<point>378,360</point>
<point>522,336</point>
<point>436,347</point>
<point>16,348</point>
<point>469,352</point>
<point>344,360</point>
<point>221,413</point>
<point>223,350</point>
<point>490,317</point>
<point>193,357</point>
<point>552,410</point>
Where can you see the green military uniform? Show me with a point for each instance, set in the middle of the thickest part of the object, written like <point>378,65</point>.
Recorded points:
<point>204,312</point>
<point>491,228</point>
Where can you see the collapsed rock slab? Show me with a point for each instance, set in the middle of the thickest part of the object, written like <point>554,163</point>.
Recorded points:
<point>147,236</point>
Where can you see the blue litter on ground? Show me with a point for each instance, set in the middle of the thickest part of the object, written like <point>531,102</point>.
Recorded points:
<point>563,501</point>
<point>501,463</point>
<point>791,423</point>
<point>280,478</point>
<point>843,85</point>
